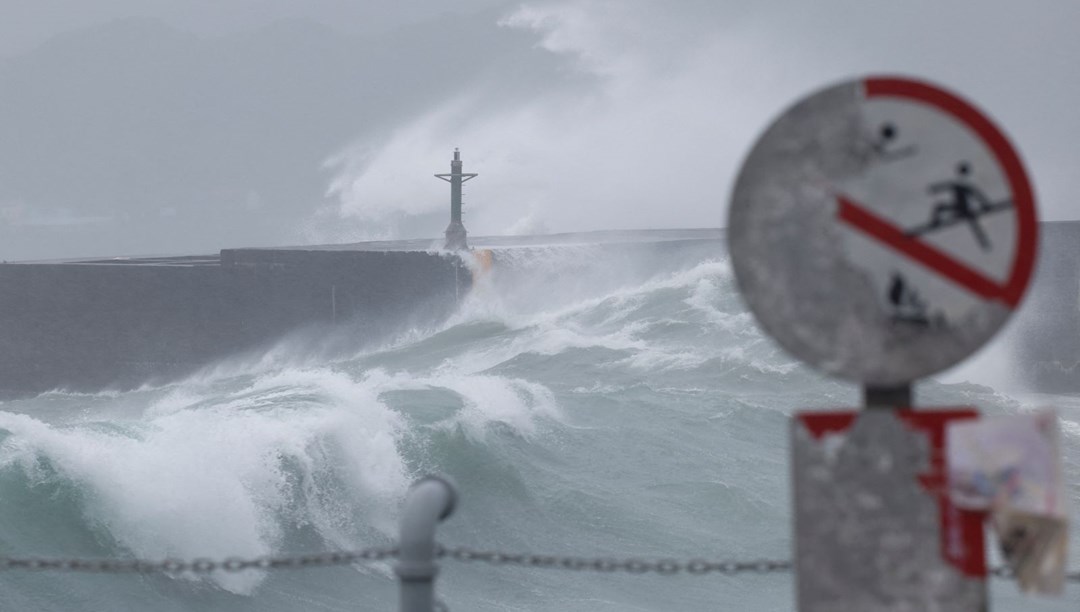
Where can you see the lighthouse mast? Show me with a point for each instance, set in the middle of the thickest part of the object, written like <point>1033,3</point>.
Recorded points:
<point>455,232</point>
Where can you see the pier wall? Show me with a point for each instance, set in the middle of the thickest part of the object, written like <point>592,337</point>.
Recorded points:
<point>1045,340</point>
<point>120,323</point>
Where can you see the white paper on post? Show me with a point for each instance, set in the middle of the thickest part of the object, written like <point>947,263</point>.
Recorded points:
<point>1010,466</point>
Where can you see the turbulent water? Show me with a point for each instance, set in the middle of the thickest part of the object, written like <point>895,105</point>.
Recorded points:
<point>585,403</point>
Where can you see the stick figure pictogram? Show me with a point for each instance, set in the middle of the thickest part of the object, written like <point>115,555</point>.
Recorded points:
<point>965,203</point>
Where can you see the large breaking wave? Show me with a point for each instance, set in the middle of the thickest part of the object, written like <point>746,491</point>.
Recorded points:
<point>588,400</point>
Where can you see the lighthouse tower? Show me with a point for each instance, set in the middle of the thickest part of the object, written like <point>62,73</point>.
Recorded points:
<point>455,232</point>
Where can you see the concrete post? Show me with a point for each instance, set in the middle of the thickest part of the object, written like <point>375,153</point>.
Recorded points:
<point>429,501</point>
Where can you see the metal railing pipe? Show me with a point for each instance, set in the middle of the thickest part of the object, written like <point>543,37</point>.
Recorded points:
<point>429,501</point>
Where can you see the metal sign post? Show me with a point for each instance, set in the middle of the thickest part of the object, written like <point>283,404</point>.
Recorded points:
<point>882,230</point>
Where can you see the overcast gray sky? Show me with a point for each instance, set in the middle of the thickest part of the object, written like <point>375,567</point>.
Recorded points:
<point>203,125</point>
<point>27,23</point>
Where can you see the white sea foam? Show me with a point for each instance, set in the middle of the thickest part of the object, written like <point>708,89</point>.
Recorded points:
<point>487,399</point>
<point>1070,428</point>
<point>605,417</point>
<point>211,480</point>
<point>258,456</point>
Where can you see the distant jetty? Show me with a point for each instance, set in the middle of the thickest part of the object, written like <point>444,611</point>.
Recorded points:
<point>118,323</point>
<point>93,324</point>
<point>1045,340</point>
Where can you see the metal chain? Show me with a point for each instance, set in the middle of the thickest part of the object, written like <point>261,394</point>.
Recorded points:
<point>1006,573</point>
<point>664,567</point>
<point>198,566</point>
<point>607,565</point>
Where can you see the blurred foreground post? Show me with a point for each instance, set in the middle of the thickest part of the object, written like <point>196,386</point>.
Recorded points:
<point>429,501</point>
<point>883,229</point>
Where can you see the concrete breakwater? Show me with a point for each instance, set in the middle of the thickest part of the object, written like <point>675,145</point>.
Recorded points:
<point>1045,339</point>
<point>117,323</point>
<point>96,324</point>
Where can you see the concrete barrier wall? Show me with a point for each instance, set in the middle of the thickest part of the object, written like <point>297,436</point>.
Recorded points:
<point>93,325</point>
<point>1046,336</point>
<point>88,326</point>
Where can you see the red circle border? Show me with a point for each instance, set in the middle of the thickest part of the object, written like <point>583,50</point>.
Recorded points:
<point>1023,196</point>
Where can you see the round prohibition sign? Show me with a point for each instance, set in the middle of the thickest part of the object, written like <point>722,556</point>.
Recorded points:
<point>882,229</point>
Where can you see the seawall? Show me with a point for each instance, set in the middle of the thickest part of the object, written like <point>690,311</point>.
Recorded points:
<point>117,323</point>
<point>1045,339</point>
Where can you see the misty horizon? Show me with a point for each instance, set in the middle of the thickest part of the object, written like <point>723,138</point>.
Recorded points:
<point>150,128</point>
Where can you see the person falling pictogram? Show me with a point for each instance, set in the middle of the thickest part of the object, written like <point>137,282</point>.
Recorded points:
<point>967,203</point>
<point>884,146</point>
<point>906,304</point>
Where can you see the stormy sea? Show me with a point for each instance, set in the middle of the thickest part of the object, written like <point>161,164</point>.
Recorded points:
<point>585,403</point>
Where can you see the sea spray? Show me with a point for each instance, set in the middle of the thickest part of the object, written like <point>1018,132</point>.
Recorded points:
<point>587,403</point>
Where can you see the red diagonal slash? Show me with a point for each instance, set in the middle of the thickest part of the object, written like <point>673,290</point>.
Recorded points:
<point>861,218</point>
<point>1027,230</point>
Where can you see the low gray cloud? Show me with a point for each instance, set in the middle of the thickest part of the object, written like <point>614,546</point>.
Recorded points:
<point>28,23</point>
<point>171,141</point>
<point>676,95</point>
<point>193,126</point>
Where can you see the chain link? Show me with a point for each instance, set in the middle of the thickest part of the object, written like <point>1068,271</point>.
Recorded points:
<point>663,567</point>
<point>198,566</point>
<point>605,565</point>
<point>1006,573</point>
